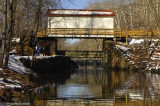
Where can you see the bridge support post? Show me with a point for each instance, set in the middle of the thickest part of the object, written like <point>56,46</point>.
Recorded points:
<point>115,40</point>
<point>53,47</point>
<point>127,39</point>
<point>104,51</point>
<point>107,56</point>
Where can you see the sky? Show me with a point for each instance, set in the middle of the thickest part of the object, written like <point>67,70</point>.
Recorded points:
<point>74,4</point>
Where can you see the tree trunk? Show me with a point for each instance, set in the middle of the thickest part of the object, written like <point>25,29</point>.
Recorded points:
<point>37,24</point>
<point>11,29</point>
<point>4,34</point>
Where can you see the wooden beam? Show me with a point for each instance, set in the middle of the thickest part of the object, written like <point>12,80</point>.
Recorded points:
<point>98,32</point>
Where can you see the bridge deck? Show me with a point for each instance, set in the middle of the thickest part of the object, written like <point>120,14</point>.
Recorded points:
<point>93,33</point>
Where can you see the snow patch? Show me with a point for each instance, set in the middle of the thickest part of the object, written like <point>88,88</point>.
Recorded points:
<point>30,57</point>
<point>11,84</point>
<point>16,65</point>
<point>15,39</point>
<point>122,47</point>
<point>136,41</point>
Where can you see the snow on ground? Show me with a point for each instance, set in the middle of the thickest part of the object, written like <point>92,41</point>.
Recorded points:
<point>135,59</point>
<point>13,52</point>
<point>136,41</point>
<point>30,57</point>
<point>122,47</point>
<point>15,39</point>
<point>11,84</point>
<point>16,65</point>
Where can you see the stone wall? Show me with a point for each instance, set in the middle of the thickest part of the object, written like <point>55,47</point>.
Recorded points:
<point>113,57</point>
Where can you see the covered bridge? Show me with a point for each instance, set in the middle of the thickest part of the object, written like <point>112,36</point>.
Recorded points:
<point>79,23</point>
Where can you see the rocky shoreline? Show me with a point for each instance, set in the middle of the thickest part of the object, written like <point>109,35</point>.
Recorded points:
<point>144,57</point>
<point>14,85</point>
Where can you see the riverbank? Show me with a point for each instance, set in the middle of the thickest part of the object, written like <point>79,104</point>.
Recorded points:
<point>20,77</point>
<point>145,57</point>
<point>51,65</point>
<point>13,84</point>
<point>15,80</point>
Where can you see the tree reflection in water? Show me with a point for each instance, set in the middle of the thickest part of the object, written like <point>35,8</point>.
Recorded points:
<point>94,83</point>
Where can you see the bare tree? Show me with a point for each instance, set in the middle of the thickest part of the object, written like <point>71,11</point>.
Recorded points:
<point>20,19</point>
<point>12,8</point>
<point>4,34</point>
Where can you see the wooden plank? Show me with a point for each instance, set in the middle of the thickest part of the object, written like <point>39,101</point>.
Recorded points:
<point>97,32</point>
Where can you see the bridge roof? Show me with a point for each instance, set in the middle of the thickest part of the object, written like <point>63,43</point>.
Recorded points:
<point>80,13</point>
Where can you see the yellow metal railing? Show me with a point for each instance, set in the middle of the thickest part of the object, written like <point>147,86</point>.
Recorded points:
<point>132,33</point>
<point>98,32</point>
<point>73,31</point>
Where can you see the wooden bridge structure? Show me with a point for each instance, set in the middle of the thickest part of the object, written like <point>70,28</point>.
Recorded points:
<point>82,33</point>
<point>85,24</point>
<point>94,33</point>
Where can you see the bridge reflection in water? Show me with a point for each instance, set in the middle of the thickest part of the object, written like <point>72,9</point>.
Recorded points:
<point>93,85</point>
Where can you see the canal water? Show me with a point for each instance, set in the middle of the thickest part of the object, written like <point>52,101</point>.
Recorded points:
<point>92,84</point>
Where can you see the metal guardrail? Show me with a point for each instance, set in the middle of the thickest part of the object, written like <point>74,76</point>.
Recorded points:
<point>92,32</point>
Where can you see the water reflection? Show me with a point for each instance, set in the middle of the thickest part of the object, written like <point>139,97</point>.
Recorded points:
<point>78,85</point>
<point>92,81</point>
<point>79,91</point>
